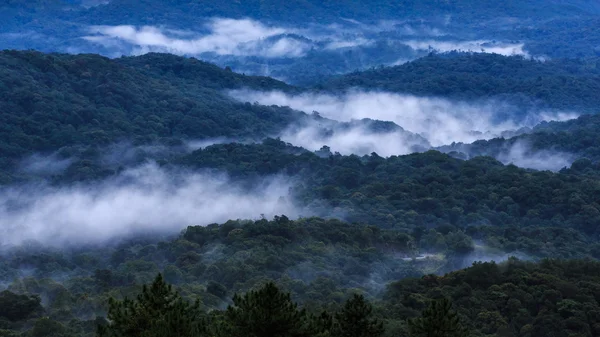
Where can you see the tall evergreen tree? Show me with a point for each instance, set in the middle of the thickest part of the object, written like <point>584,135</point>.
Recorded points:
<point>321,325</point>
<point>266,312</point>
<point>438,320</point>
<point>355,319</point>
<point>158,311</point>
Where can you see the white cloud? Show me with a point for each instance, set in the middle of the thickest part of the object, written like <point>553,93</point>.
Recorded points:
<point>354,139</point>
<point>247,37</point>
<point>146,199</point>
<point>224,37</point>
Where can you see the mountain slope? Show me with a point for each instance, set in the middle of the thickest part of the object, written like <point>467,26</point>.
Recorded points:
<point>428,188</point>
<point>565,85</point>
<point>48,101</point>
<point>517,298</point>
<point>321,262</point>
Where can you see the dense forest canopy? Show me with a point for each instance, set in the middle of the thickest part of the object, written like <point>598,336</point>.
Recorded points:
<point>82,104</point>
<point>419,189</point>
<point>144,193</point>
<point>556,84</point>
<point>51,101</point>
<point>322,263</point>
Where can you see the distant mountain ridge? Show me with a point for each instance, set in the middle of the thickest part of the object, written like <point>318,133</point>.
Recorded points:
<point>380,32</point>
<point>560,84</point>
<point>313,10</point>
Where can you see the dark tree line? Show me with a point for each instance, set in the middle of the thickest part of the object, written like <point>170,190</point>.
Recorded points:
<point>265,312</point>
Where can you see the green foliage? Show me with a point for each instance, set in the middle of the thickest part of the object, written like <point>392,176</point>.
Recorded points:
<point>46,327</point>
<point>438,320</point>
<point>266,312</point>
<point>321,263</point>
<point>407,215</point>
<point>403,192</point>
<point>157,311</point>
<point>516,298</point>
<point>562,38</point>
<point>54,101</point>
<point>355,320</point>
<point>16,307</point>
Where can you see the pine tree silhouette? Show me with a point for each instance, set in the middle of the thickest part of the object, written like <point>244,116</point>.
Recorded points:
<point>355,320</point>
<point>438,320</point>
<point>266,312</point>
<point>158,311</point>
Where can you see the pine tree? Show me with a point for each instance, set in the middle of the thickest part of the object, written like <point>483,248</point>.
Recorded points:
<point>266,312</point>
<point>321,325</point>
<point>438,320</point>
<point>355,320</point>
<point>158,311</point>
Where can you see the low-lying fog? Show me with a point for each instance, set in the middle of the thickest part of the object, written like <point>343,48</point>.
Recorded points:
<point>141,200</point>
<point>438,120</point>
<point>426,122</point>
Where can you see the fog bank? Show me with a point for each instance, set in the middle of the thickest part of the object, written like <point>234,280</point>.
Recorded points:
<point>440,121</point>
<point>484,46</point>
<point>142,200</point>
<point>357,137</point>
<point>522,155</point>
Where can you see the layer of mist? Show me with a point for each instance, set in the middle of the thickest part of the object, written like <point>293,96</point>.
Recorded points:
<point>44,165</point>
<point>113,156</point>
<point>484,46</point>
<point>222,38</point>
<point>440,121</point>
<point>482,254</point>
<point>141,200</point>
<point>521,154</point>
<point>360,137</point>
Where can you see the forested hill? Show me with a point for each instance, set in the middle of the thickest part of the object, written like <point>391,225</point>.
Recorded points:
<point>429,188</point>
<point>554,298</point>
<point>561,84</point>
<point>322,263</point>
<point>191,71</point>
<point>48,101</point>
